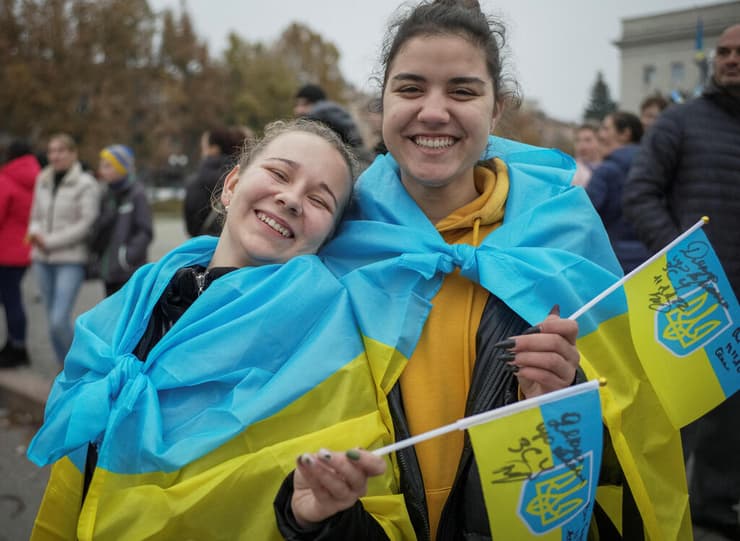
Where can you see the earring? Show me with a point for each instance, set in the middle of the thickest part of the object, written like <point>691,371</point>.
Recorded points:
<point>226,208</point>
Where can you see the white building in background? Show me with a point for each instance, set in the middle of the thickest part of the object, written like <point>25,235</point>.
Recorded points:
<point>658,52</point>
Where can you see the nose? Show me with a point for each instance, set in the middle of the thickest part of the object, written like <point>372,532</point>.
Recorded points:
<point>434,108</point>
<point>290,201</point>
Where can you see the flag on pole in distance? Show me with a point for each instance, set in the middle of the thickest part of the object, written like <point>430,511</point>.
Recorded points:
<point>685,324</point>
<point>539,466</point>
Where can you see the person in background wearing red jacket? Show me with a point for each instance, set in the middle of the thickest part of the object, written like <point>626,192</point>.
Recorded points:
<point>17,178</point>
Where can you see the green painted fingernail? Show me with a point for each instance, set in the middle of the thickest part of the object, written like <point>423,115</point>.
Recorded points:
<point>352,454</point>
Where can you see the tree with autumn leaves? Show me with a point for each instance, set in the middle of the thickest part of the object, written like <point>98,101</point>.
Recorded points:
<point>113,70</point>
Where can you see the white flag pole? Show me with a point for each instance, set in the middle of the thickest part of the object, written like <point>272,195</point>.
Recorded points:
<point>480,418</point>
<point>608,291</point>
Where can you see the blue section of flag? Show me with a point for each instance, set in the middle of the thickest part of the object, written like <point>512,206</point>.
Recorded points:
<point>563,496</point>
<point>540,256</point>
<point>702,295</point>
<point>244,350</point>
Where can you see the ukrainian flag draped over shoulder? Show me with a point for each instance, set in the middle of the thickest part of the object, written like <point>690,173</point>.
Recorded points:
<point>195,440</point>
<point>551,249</point>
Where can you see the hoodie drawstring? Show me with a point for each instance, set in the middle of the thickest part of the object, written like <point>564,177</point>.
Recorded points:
<point>467,355</point>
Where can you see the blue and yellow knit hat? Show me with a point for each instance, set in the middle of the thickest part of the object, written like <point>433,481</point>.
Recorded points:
<point>120,157</point>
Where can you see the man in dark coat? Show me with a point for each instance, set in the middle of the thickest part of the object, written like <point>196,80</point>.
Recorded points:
<point>688,167</point>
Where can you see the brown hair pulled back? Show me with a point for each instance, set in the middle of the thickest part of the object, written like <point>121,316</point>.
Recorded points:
<point>462,18</point>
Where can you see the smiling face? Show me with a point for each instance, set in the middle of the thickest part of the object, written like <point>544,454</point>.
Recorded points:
<point>285,203</point>
<point>438,109</point>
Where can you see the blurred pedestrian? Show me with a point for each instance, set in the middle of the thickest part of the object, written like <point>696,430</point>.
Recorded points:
<point>123,230</point>
<point>650,108</point>
<point>219,149</point>
<point>587,151</point>
<point>311,102</point>
<point>65,205</point>
<point>620,135</point>
<point>17,178</point>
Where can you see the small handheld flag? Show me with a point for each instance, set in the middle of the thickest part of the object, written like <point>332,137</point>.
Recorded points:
<point>539,462</point>
<point>685,324</point>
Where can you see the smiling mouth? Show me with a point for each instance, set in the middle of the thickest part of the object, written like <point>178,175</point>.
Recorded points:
<point>279,228</point>
<point>434,143</point>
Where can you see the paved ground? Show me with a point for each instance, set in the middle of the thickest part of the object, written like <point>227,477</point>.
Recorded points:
<point>23,392</point>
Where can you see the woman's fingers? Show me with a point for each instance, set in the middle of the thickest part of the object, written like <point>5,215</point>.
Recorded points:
<point>548,368</point>
<point>327,482</point>
<point>544,357</point>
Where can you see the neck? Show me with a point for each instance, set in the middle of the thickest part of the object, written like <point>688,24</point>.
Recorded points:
<point>438,202</point>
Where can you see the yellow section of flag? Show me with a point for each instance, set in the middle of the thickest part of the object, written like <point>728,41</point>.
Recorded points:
<point>228,493</point>
<point>646,442</point>
<point>539,467</point>
<point>660,318</point>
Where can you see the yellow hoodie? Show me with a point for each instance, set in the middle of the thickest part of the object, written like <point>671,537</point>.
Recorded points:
<point>436,381</point>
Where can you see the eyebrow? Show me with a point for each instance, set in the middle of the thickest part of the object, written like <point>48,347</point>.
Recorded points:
<point>295,165</point>
<point>454,80</point>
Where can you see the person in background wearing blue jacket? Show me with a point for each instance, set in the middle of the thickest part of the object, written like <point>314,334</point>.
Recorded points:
<point>620,135</point>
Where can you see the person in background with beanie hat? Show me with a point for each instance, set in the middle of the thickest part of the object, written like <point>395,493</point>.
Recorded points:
<point>65,205</point>
<point>17,177</point>
<point>123,231</point>
<point>311,103</point>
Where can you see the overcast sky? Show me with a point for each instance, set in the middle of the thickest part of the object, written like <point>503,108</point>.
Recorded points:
<point>556,47</point>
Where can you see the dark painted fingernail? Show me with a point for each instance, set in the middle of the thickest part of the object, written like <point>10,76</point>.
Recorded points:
<point>325,454</point>
<point>512,368</point>
<point>505,344</point>
<point>352,454</point>
<point>532,330</point>
<point>555,310</point>
<point>507,356</point>
<point>305,459</point>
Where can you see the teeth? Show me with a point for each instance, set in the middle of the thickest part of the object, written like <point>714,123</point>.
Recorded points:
<point>434,142</point>
<point>272,223</point>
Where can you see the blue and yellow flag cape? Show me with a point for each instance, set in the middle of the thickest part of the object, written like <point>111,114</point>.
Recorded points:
<point>195,440</point>
<point>551,249</point>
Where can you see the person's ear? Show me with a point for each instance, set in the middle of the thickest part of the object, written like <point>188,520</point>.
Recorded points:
<point>230,182</point>
<point>498,111</point>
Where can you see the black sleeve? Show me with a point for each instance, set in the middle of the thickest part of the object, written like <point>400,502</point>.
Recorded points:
<point>354,523</point>
<point>197,202</point>
<point>142,231</point>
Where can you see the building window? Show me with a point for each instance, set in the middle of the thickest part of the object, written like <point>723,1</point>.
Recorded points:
<point>648,75</point>
<point>678,73</point>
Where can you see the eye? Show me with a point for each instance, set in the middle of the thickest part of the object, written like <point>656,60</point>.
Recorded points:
<point>409,90</point>
<point>278,174</point>
<point>319,201</point>
<point>464,93</point>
